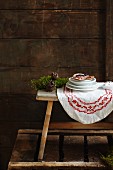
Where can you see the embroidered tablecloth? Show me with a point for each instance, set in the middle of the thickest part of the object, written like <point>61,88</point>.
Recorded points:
<point>86,107</point>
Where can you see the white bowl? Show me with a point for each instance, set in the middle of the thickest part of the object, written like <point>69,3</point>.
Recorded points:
<point>87,86</point>
<point>82,82</point>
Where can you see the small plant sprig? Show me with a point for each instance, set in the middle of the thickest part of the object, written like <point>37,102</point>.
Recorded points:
<point>108,158</point>
<point>41,83</point>
<point>48,83</point>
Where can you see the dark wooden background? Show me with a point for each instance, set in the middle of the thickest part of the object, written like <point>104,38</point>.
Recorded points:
<point>38,37</point>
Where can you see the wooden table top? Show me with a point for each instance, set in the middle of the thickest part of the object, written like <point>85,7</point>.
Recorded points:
<point>46,96</point>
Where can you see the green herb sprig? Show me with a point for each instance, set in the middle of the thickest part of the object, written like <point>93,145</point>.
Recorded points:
<point>42,82</point>
<point>108,158</point>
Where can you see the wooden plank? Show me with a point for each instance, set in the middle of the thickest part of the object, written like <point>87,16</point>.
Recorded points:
<point>80,132</point>
<point>46,96</point>
<point>109,40</point>
<point>77,125</point>
<point>28,53</point>
<point>17,165</point>
<point>23,64</point>
<point>17,80</point>
<point>52,4</point>
<point>25,147</point>
<point>52,24</point>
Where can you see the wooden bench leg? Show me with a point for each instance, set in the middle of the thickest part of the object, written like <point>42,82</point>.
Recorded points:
<point>45,130</point>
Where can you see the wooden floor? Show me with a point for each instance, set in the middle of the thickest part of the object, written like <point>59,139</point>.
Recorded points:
<point>73,154</point>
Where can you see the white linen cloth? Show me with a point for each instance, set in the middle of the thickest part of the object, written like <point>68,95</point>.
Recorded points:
<point>86,107</point>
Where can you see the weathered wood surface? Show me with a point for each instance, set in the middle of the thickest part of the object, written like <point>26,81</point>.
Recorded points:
<point>78,132</point>
<point>52,4</point>
<point>51,24</point>
<point>72,165</point>
<point>77,125</point>
<point>20,77</point>
<point>46,96</point>
<point>109,40</point>
<point>7,137</point>
<point>8,140</point>
<point>26,144</point>
<point>24,150</point>
<point>23,60</point>
<point>48,53</point>
<point>72,31</point>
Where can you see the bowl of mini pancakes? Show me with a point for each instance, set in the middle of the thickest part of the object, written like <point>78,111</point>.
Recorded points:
<point>82,82</point>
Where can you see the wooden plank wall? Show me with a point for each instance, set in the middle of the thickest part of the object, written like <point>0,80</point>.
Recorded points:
<point>38,37</point>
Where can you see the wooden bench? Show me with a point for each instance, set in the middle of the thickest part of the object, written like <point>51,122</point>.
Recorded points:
<point>24,155</point>
<point>30,144</point>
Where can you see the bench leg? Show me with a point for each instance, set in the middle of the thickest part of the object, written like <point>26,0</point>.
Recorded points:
<point>45,130</point>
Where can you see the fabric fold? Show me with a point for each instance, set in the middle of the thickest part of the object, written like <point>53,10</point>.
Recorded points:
<point>86,107</point>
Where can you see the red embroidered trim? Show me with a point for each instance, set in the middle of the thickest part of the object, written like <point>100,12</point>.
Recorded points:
<point>89,107</point>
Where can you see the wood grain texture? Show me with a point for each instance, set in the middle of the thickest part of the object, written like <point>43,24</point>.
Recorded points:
<point>22,156</point>
<point>46,53</point>
<point>67,132</point>
<point>109,41</point>
<point>23,60</point>
<point>51,24</point>
<point>49,53</point>
<point>25,144</point>
<point>38,165</point>
<point>77,125</point>
<point>52,4</point>
<point>38,37</point>
<point>20,78</point>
